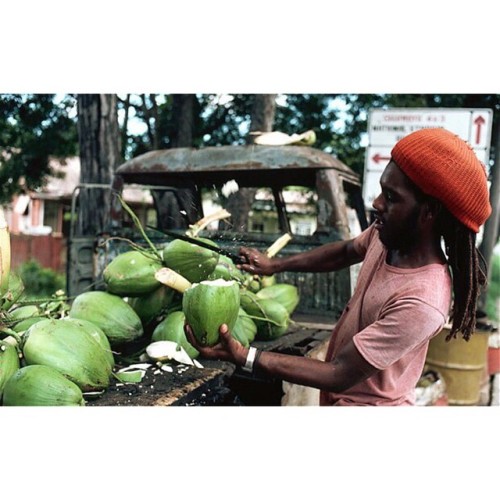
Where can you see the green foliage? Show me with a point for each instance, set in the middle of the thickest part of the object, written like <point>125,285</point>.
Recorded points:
<point>158,114</point>
<point>494,289</point>
<point>39,282</point>
<point>33,127</point>
<point>300,112</point>
<point>225,121</point>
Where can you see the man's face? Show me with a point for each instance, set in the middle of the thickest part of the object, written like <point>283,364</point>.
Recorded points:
<point>397,210</point>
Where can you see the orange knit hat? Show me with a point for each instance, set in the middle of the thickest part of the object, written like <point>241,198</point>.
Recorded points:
<point>445,167</point>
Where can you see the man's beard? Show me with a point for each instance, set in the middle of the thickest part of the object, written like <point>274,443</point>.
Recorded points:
<point>404,236</point>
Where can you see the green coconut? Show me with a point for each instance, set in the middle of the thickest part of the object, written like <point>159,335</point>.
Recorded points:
<point>39,385</point>
<point>266,281</point>
<point>14,292</point>
<point>271,317</point>
<point>172,328</point>
<point>150,306</point>
<point>115,317</point>
<point>209,304</point>
<point>98,335</point>
<point>67,347</point>
<point>252,283</point>
<point>193,262</point>
<point>9,363</point>
<point>245,329</point>
<point>132,273</point>
<point>24,316</point>
<point>226,269</point>
<point>284,293</point>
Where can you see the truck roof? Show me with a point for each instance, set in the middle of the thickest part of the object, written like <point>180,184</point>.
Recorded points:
<point>251,165</point>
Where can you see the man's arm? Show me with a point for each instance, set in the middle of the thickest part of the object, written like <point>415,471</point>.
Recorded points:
<point>329,257</point>
<point>347,369</point>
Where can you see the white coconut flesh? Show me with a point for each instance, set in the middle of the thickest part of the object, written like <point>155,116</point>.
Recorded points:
<point>217,282</point>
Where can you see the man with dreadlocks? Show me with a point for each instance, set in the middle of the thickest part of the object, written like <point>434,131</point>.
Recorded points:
<point>419,252</point>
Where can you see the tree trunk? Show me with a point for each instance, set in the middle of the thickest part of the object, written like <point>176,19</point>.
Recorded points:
<point>99,141</point>
<point>239,204</point>
<point>172,213</point>
<point>124,133</point>
<point>263,111</point>
<point>183,117</point>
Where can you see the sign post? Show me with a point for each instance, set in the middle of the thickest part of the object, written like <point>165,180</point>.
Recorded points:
<point>388,126</point>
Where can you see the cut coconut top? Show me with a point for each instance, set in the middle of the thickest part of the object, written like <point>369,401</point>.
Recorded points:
<point>217,282</point>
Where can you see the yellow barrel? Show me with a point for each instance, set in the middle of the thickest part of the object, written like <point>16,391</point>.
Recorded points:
<point>461,364</point>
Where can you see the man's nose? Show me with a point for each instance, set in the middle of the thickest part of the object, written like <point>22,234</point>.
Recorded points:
<point>377,203</point>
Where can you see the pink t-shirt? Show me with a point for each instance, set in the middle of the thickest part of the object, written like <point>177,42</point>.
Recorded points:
<point>391,317</point>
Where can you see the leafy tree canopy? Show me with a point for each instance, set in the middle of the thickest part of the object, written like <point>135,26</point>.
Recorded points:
<point>33,127</point>
<point>36,126</point>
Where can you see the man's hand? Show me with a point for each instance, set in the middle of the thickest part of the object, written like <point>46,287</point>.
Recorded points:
<point>256,262</point>
<point>228,348</point>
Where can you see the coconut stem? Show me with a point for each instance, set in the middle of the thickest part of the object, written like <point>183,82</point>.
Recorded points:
<point>13,334</point>
<point>138,224</point>
<point>278,245</point>
<point>174,280</point>
<point>194,229</point>
<point>264,318</point>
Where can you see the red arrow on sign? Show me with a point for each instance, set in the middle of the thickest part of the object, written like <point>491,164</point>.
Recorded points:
<point>479,122</point>
<point>376,158</point>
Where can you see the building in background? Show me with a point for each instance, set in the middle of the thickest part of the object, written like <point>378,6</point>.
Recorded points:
<point>39,221</point>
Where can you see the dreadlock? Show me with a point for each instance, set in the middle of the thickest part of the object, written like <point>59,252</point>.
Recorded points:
<point>468,269</point>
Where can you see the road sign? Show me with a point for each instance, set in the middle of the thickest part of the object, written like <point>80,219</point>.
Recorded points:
<point>387,126</point>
